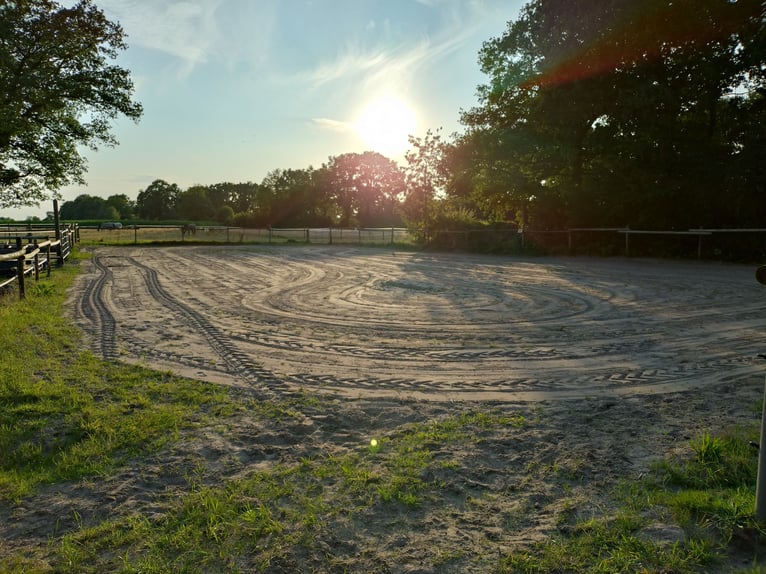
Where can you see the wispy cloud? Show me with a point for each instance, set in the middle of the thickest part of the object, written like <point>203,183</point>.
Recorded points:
<point>351,62</point>
<point>186,30</point>
<point>368,72</point>
<point>399,64</point>
<point>333,125</point>
<point>379,66</point>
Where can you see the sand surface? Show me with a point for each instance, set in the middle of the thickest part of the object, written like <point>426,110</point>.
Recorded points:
<point>378,323</point>
<point>611,363</point>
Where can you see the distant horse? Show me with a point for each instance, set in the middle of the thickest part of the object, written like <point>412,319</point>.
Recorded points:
<point>188,228</point>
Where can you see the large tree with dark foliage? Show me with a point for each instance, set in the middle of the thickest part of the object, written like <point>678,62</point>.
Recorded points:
<point>158,200</point>
<point>365,187</point>
<point>616,112</point>
<point>58,91</point>
<point>194,204</point>
<point>86,206</point>
<point>125,206</point>
<point>291,198</point>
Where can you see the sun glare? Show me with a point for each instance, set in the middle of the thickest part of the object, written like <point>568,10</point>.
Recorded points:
<point>384,125</point>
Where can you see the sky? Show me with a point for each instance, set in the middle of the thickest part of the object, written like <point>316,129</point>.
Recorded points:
<point>233,89</point>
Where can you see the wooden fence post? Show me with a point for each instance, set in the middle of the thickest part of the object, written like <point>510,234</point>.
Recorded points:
<point>20,270</point>
<point>56,220</point>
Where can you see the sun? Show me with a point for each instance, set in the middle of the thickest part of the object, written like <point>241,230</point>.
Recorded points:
<point>385,124</point>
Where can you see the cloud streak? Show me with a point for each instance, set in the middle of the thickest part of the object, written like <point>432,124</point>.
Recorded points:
<point>186,30</point>
<point>397,65</point>
<point>370,72</point>
<point>333,125</point>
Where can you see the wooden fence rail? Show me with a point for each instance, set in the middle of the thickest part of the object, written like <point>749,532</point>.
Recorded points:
<point>19,264</point>
<point>128,233</point>
<point>502,239</point>
<point>710,239</point>
<point>22,255</point>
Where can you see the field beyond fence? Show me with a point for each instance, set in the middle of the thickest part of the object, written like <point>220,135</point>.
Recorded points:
<point>223,234</point>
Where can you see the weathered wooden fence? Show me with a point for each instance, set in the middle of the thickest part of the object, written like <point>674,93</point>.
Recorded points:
<point>699,243</point>
<point>722,244</point>
<point>28,249</point>
<point>228,234</point>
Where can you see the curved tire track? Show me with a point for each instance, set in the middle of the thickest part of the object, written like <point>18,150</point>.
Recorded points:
<point>238,362</point>
<point>92,307</point>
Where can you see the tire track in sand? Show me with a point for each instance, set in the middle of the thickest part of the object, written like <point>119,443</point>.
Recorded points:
<point>238,362</point>
<point>92,307</point>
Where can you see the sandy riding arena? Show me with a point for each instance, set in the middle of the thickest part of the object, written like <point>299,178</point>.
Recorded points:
<point>607,364</point>
<point>365,323</point>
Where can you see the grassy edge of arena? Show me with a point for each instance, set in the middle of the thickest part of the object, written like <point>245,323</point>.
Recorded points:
<point>71,422</point>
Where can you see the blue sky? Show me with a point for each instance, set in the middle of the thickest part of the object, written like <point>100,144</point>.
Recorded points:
<point>233,89</point>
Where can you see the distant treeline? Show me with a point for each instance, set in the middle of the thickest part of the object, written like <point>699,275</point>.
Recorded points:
<point>351,190</point>
<point>648,115</point>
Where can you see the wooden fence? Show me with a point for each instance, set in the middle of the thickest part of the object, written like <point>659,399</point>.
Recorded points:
<point>719,244</point>
<point>698,243</point>
<point>731,244</point>
<point>734,244</point>
<point>227,234</point>
<point>29,249</point>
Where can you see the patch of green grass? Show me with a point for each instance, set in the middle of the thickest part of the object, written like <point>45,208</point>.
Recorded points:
<point>709,493</point>
<point>64,413</point>
<point>410,453</point>
<point>251,521</point>
<point>718,462</point>
<point>606,546</point>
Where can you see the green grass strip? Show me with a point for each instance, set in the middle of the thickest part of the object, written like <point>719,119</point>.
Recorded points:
<point>66,414</point>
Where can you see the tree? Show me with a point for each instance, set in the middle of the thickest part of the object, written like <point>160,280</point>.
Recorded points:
<point>123,204</point>
<point>58,91</point>
<point>225,215</point>
<point>157,201</point>
<point>292,197</point>
<point>600,113</point>
<point>380,188</point>
<point>365,187</point>
<point>194,204</point>
<point>425,177</point>
<point>243,197</point>
<point>88,207</point>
